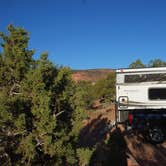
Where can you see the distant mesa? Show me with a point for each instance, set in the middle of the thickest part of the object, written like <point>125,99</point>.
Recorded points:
<point>91,75</point>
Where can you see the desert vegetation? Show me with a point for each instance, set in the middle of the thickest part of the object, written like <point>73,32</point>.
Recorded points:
<point>42,109</point>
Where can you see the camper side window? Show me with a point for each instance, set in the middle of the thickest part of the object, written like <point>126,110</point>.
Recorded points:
<point>135,78</point>
<point>157,93</point>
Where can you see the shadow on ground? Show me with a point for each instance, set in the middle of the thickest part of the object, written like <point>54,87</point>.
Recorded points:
<point>114,148</point>
<point>112,153</point>
<point>93,133</point>
<point>145,153</point>
<point>110,147</point>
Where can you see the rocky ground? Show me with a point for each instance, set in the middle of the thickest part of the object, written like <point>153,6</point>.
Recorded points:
<point>116,147</point>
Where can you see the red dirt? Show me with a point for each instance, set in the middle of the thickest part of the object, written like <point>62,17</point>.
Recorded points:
<point>122,148</point>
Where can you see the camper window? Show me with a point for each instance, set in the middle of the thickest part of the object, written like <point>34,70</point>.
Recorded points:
<point>135,78</point>
<point>157,93</point>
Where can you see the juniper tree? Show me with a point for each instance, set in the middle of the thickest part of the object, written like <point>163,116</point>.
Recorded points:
<point>157,63</point>
<point>16,60</point>
<point>137,64</point>
<point>40,114</point>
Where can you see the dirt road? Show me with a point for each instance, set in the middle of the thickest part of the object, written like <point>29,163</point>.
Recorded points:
<point>116,147</point>
<point>144,152</point>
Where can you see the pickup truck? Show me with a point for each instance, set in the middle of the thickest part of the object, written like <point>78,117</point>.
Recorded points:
<point>141,101</point>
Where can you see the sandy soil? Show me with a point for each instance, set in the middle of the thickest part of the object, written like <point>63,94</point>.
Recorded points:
<point>115,146</point>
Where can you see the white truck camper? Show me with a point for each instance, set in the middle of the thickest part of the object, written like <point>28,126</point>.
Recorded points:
<point>141,100</point>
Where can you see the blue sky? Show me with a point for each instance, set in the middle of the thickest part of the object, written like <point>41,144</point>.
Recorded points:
<point>86,34</point>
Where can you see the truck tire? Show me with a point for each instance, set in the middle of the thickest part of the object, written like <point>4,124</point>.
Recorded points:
<point>156,135</point>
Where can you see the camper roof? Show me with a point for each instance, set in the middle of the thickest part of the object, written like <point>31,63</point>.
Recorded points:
<point>141,70</point>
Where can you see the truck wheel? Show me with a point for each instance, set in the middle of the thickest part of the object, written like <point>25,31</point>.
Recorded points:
<point>156,135</point>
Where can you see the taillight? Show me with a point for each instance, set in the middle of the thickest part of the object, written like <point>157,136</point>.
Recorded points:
<point>130,118</point>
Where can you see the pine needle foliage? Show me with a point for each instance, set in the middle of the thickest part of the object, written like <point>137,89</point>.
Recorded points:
<point>40,114</point>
